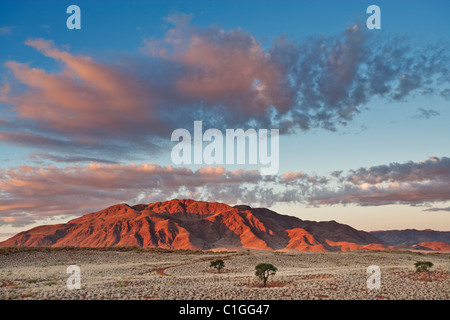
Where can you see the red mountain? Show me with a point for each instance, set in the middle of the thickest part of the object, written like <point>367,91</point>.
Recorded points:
<point>197,225</point>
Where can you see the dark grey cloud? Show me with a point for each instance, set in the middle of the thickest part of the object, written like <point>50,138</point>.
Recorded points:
<point>437,209</point>
<point>41,158</point>
<point>20,219</point>
<point>445,94</point>
<point>412,183</point>
<point>434,168</point>
<point>426,113</point>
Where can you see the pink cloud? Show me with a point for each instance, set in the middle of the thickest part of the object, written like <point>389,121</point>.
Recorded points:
<point>291,176</point>
<point>223,67</point>
<point>85,102</point>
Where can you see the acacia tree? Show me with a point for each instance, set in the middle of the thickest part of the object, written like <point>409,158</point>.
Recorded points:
<point>218,264</point>
<point>424,266</point>
<point>264,271</point>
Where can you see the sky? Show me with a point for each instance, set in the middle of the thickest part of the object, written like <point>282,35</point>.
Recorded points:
<point>86,115</point>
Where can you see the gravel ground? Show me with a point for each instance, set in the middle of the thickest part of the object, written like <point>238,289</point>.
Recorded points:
<point>148,275</point>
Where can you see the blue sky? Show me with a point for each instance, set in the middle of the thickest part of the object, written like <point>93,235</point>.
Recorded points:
<point>118,37</point>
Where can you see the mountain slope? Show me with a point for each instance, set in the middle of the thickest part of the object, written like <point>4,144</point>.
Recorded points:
<point>197,225</point>
<point>411,236</point>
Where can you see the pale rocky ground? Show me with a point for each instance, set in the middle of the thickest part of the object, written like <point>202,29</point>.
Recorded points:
<point>144,275</point>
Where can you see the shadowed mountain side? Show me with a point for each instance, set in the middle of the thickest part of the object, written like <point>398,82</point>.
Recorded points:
<point>411,236</point>
<point>197,225</point>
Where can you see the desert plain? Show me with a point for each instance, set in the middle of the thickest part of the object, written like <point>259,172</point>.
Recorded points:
<point>172,275</point>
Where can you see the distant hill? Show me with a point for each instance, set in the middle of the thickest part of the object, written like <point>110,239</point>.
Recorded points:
<point>411,236</point>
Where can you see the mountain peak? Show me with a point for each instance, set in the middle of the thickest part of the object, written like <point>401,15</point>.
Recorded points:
<point>188,206</point>
<point>242,207</point>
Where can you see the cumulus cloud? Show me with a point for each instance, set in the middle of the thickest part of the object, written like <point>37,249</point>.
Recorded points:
<point>406,183</point>
<point>227,78</point>
<point>432,169</point>
<point>223,70</point>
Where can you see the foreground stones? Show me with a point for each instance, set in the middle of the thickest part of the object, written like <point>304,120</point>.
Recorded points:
<point>149,275</point>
